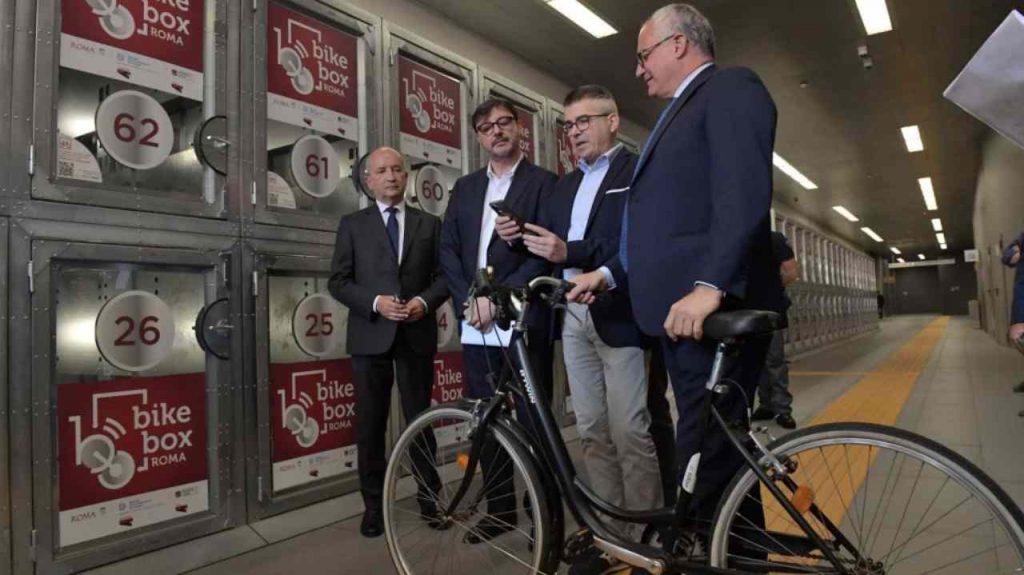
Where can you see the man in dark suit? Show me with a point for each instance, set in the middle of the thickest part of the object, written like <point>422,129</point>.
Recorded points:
<point>695,237</point>
<point>385,270</point>
<point>468,243</point>
<point>602,346</point>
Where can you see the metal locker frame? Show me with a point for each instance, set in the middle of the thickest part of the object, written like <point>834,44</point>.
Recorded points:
<point>34,244</point>
<point>262,256</point>
<point>37,55</point>
<point>556,114</point>
<point>6,61</point>
<point>491,83</point>
<point>5,491</point>
<point>367,27</point>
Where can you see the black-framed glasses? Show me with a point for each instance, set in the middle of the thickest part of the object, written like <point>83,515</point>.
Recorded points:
<point>502,122</point>
<point>642,55</point>
<point>582,123</point>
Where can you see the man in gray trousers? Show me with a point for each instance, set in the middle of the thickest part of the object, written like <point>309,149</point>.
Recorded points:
<point>776,402</point>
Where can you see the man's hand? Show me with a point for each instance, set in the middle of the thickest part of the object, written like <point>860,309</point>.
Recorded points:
<point>391,308</point>
<point>686,316</point>
<point>587,287</point>
<point>480,314</point>
<point>507,229</point>
<point>415,310</point>
<point>545,244</point>
<point>1016,331</point>
<point>1015,258</point>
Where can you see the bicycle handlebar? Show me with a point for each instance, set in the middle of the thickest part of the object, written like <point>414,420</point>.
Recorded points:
<point>511,301</point>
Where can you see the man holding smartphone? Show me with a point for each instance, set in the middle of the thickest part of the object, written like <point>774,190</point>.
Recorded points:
<point>468,243</point>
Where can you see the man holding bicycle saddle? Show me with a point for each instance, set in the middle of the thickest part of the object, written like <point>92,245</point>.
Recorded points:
<point>695,232</point>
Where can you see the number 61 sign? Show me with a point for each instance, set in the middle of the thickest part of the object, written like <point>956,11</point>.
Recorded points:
<point>134,129</point>
<point>135,331</point>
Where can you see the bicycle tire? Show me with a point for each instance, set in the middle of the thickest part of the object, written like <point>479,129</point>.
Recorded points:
<point>823,443</point>
<point>541,556</point>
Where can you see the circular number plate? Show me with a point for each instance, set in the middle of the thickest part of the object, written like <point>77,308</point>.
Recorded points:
<point>319,325</point>
<point>446,327</point>
<point>430,190</point>
<point>135,331</point>
<point>315,166</point>
<point>134,129</point>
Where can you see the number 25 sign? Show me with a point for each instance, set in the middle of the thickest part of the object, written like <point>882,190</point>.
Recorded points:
<point>134,129</point>
<point>135,331</point>
<point>319,324</point>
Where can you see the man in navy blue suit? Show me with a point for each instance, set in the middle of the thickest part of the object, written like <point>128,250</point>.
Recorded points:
<point>695,235</point>
<point>468,243</point>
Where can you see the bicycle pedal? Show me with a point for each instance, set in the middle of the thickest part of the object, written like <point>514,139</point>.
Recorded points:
<point>576,544</point>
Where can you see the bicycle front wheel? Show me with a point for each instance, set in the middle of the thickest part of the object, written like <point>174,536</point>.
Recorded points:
<point>886,501</point>
<point>488,531</point>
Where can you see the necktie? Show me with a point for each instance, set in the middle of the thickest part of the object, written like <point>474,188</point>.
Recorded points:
<point>392,226</point>
<point>625,213</point>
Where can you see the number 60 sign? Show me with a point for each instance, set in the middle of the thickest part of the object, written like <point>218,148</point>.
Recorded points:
<point>134,129</point>
<point>135,330</point>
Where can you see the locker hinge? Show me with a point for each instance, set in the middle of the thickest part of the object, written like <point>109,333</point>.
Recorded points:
<point>391,57</point>
<point>32,546</point>
<point>253,196</point>
<point>259,489</point>
<point>255,284</point>
<point>31,279</point>
<point>31,159</point>
<point>254,8</point>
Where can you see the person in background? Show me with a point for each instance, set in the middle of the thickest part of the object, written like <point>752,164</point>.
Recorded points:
<point>880,300</point>
<point>385,270</point>
<point>775,400</point>
<point>1011,257</point>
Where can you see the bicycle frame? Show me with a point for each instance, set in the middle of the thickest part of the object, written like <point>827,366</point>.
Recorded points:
<point>582,502</point>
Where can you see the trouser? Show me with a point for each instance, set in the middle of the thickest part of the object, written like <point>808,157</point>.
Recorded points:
<point>773,388</point>
<point>689,366</point>
<point>373,376</point>
<point>609,395</point>
<point>663,431</point>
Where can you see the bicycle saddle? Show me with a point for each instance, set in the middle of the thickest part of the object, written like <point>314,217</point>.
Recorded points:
<point>741,323</point>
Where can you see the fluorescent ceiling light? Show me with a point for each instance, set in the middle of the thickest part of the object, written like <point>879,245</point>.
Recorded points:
<point>845,213</point>
<point>920,256</point>
<point>792,172</point>
<point>583,17</point>
<point>912,138</point>
<point>895,251</point>
<point>942,246</point>
<point>928,192</point>
<point>941,238</point>
<point>901,260</point>
<point>871,233</point>
<point>937,224</point>
<point>875,15</point>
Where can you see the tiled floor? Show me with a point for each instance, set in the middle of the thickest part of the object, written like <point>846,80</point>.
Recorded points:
<point>961,399</point>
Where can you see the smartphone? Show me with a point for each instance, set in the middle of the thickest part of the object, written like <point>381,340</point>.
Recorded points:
<point>502,209</point>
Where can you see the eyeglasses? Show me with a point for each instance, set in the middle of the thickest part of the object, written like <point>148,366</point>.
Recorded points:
<point>642,55</point>
<point>582,123</point>
<point>502,122</point>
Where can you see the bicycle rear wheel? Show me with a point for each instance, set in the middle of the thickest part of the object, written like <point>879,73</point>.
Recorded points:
<point>905,504</point>
<point>416,477</point>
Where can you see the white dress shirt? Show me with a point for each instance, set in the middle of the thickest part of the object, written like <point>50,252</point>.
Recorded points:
<point>400,216</point>
<point>586,194</point>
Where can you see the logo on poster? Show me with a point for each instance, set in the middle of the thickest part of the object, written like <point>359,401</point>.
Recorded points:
<point>422,90</point>
<point>447,382</point>
<point>296,405</point>
<point>161,19</point>
<point>332,68</point>
<point>114,469</point>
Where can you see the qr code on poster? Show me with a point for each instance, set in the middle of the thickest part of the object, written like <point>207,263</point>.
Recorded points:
<point>65,169</point>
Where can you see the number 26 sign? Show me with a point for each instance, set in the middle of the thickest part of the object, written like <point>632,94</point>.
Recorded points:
<point>134,129</point>
<point>135,331</point>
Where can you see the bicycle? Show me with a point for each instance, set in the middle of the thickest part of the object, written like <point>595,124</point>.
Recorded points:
<point>844,498</point>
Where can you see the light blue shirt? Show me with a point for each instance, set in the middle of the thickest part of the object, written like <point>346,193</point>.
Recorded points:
<point>593,176</point>
<point>682,87</point>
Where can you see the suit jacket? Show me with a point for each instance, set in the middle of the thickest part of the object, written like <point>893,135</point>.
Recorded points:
<point>460,234</point>
<point>365,267</point>
<point>1017,309</point>
<point>612,314</point>
<point>699,202</point>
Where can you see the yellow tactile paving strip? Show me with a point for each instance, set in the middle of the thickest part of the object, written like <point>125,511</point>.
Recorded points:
<point>878,398</point>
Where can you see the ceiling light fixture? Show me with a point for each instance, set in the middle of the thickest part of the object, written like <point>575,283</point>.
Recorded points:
<point>901,260</point>
<point>895,251</point>
<point>871,234</point>
<point>583,17</point>
<point>912,138</point>
<point>928,192</point>
<point>941,238</point>
<point>920,256</point>
<point>875,16</point>
<point>943,246</point>
<point>937,224</point>
<point>792,172</point>
<point>845,213</point>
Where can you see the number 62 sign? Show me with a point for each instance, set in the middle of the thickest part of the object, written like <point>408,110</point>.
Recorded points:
<point>134,129</point>
<point>135,331</point>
